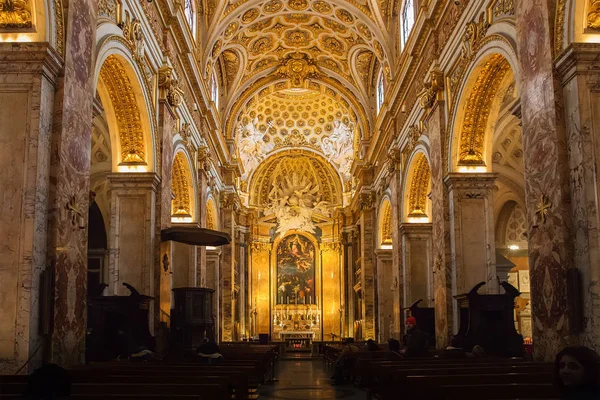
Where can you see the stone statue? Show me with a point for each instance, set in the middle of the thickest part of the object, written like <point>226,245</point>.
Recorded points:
<point>252,146</point>
<point>293,201</point>
<point>338,148</point>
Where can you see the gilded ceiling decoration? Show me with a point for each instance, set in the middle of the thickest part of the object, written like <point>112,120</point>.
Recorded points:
<point>181,205</point>
<point>385,234</point>
<point>296,118</point>
<point>15,14</point>
<point>312,168</point>
<point>129,121</point>
<point>477,110</point>
<point>419,187</point>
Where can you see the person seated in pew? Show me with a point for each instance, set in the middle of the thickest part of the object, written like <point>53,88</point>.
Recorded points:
<point>48,382</point>
<point>577,373</point>
<point>209,352</point>
<point>416,343</point>
<point>477,352</point>
<point>338,374</point>
<point>393,354</point>
<point>453,351</point>
<point>372,345</point>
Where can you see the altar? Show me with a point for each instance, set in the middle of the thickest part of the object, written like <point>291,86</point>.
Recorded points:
<point>297,340</point>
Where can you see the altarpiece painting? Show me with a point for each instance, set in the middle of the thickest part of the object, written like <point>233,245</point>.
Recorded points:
<point>296,271</point>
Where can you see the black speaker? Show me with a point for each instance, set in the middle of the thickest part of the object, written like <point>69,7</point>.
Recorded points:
<point>575,300</point>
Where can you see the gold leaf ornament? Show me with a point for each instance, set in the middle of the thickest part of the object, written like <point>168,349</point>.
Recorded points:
<point>543,207</point>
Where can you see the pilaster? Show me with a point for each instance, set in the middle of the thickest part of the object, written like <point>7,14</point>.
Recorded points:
<point>387,288</point>
<point>368,277</point>
<point>418,263</point>
<point>229,205</point>
<point>260,255</point>
<point>28,74</point>
<point>394,158</point>
<point>472,227</point>
<point>331,289</point>
<point>547,191</point>
<point>213,271</point>
<point>70,184</point>
<point>578,70</point>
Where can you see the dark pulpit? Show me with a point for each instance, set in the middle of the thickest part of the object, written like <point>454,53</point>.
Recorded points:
<point>118,326</point>
<point>488,320</point>
<point>192,317</point>
<point>425,319</point>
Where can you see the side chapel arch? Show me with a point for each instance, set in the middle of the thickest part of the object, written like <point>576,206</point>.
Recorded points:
<point>493,67</point>
<point>385,224</point>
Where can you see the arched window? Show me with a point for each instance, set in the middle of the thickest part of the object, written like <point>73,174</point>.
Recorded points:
<point>408,20</point>
<point>214,90</point>
<point>190,15</point>
<point>379,91</point>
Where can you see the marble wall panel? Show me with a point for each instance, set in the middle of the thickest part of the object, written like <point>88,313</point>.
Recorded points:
<point>184,271</point>
<point>261,267</point>
<point>166,121</point>
<point>546,174</point>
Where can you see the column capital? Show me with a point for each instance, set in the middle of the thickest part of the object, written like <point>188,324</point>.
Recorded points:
<point>134,180</point>
<point>416,230</point>
<point>470,182</point>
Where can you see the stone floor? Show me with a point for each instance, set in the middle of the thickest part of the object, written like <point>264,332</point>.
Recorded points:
<point>307,378</point>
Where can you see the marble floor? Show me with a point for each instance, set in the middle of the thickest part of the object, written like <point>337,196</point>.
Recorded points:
<point>307,379</point>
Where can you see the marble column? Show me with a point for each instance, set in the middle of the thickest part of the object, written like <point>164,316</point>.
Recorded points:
<point>132,232</point>
<point>581,79</point>
<point>227,267</point>
<point>331,289</point>
<point>28,74</point>
<point>213,265</point>
<point>398,247</point>
<point>551,252</point>
<point>260,262</point>
<point>201,199</point>
<point>69,184</point>
<point>442,266</point>
<point>418,262</point>
<point>368,278</point>
<point>472,227</point>
<point>387,289</point>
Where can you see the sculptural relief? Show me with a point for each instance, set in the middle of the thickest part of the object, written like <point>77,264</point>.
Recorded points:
<point>293,201</point>
<point>338,148</point>
<point>251,146</point>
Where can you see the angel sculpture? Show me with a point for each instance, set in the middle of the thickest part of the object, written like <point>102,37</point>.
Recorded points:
<point>252,146</point>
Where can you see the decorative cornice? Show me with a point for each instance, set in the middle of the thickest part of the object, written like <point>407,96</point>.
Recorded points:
<point>471,184</point>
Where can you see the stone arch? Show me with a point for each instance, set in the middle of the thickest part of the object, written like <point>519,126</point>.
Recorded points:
<point>120,89</point>
<point>479,102</point>
<point>384,225</point>
<point>183,205</point>
<point>212,216</point>
<point>417,205</point>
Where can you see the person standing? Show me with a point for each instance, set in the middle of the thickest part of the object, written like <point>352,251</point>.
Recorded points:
<point>415,340</point>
